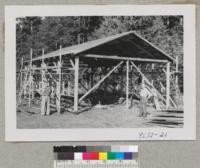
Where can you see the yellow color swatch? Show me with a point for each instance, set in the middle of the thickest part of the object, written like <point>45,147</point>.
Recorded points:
<point>102,155</point>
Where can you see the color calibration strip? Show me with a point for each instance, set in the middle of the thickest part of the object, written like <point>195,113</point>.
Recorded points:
<point>95,153</point>
<point>96,156</point>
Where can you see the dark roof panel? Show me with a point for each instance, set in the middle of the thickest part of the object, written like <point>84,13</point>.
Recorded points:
<point>128,44</point>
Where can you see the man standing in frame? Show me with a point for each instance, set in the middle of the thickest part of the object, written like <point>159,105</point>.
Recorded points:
<point>45,94</point>
<point>144,96</point>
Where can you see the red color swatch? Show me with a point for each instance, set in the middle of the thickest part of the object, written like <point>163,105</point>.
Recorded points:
<point>94,156</point>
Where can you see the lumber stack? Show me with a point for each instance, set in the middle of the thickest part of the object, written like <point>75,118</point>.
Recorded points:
<point>172,118</point>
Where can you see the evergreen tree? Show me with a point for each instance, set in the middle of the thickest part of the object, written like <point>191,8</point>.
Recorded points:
<point>26,34</point>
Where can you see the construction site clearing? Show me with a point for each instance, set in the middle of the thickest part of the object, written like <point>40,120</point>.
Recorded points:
<point>95,84</point>
<point>99,116</point>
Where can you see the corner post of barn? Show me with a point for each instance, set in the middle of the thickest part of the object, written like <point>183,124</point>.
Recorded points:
<point>168,85</point>
<point>127,83</point>
<point>76,71</point>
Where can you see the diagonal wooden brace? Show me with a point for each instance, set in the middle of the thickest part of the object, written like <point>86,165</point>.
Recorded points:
<point>95,86</point>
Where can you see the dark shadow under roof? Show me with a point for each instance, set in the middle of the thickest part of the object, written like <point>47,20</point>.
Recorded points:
<point>128,44</point>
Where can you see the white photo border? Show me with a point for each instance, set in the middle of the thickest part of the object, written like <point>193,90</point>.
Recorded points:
<point>188,132</point>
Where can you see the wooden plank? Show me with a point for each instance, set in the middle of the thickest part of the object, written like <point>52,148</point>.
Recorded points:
<point>173,110</point>
<point>76,73</point>
<point>166,114</point>
<point>114,57</point>
<point>95,86</point>
<point>166,118</point>
<point>169,121</point>
<point>164,125</point>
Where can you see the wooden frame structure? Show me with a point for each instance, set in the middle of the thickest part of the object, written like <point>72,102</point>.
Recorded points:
<point>125,48</point>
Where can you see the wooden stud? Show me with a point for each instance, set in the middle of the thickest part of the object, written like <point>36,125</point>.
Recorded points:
<point>168,85</point>
<point>43,72</point>
<point>21,74</point>
<point>59,81</point>
<point>30,78</point>
<point>177,71</point>
<point>91,77</point>
<point>21,84</point>
<point>76,83</point>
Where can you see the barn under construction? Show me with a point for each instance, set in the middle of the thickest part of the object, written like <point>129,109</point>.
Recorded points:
<point>78,72</point>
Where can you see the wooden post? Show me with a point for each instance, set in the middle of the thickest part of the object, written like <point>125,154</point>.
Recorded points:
<point>30,78</point>
<point>21,83</point>
<point>21,73</point>
<point>59,81</point>
<point>127,83</point>
<point>68,88</point>
<point>168,85</point>
<point>42,70</point>
<point>176,71</point>
<point>76,71</point>
<point>91,77</point>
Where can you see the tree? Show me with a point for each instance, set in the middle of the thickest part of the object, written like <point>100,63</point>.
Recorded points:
<point>111,25</point>
<point>26,33</point>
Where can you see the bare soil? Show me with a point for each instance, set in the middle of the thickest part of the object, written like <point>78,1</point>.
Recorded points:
<point>116,116</point>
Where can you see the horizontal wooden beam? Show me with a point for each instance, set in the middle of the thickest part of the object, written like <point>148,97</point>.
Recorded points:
<point>114,57</point>
<point>47,67</point>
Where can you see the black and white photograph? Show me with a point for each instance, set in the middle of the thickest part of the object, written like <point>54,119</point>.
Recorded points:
<point>109,70</point>
<point>99,71</point>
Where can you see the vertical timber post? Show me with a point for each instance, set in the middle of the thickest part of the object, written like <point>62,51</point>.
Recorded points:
<point>168,85</point>
<point>177,70</point>
<point>30,78</point>
<point>59,80</point>
<point>21,81</point>
<point>42,70</point>
<point>76,71</point>
<point>127,83</point>
<point>21,73</point>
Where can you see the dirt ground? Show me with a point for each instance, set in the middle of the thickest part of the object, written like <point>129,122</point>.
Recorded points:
<point>117,116</point>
